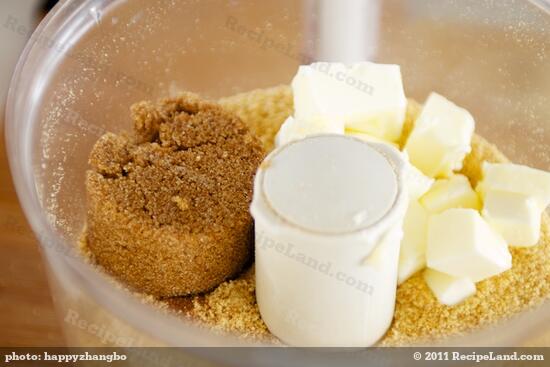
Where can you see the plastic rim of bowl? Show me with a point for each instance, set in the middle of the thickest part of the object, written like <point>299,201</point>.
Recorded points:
<point>19,123</point>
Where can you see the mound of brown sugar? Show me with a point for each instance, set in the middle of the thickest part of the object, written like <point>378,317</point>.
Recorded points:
<point>419,317</point>
<point>168,203</point>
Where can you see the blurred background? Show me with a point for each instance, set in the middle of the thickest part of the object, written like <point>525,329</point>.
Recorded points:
<point>27,316</point>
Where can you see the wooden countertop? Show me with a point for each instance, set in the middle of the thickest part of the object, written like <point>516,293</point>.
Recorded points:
<point>27,316</point>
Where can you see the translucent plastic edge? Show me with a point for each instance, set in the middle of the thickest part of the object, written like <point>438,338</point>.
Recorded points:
<point>168,328</point>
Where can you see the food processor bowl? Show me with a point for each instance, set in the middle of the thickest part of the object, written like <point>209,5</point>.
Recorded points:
<point>89,60</point>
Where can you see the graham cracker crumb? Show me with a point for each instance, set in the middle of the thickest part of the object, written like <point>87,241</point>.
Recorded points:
<point>232,308</point>
<point>263,110</point>
<point>182,203</point>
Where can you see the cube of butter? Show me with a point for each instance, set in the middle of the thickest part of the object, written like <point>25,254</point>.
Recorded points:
<point>417,182</point>
<point>367,97</point>
<point>518,179</point>
<point>412,256</point>
<point>295,129</point>
<point>454,192</point>
<point>461,243</point>
<point>515,216</point>
<point>449,290</point>
<point>440,138</point>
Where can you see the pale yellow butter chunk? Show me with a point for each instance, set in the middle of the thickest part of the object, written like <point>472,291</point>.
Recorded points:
<point>515,216</point>
<point>440,138</point>
<point>518,179</point>
<point>449,290</point>
<point>368,97</point>
<point>454,192</point>
<point>412,256</point>
<point>462,244</point>
<point>294,129</point>
<point>417,183</point>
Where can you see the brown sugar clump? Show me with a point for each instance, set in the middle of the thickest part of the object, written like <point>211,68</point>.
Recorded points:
<point>168,204</point>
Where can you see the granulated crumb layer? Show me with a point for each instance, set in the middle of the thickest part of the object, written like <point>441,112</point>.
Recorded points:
<point>168,206</point>
<point>419,317</point>
<point>232,307</point>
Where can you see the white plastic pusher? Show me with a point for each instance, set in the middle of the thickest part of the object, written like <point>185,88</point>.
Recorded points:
<point>328,213</point>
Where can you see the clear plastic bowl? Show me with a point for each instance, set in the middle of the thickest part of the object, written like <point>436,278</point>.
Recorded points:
<point>90,60</point>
